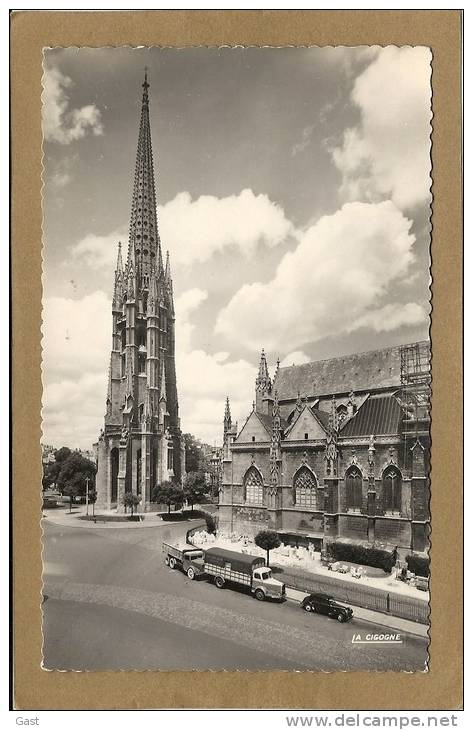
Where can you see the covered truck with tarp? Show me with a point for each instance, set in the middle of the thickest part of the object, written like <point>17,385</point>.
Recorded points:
<point>227,566</point>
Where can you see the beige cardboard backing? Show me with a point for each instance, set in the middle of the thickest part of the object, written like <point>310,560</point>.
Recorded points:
<point>441,687</point>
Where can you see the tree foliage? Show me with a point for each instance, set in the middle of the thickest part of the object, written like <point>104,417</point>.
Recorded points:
<point>195,488</point>
<point>267,540</point>
<point>168,493</point>
<point>193,453</point>
<point>419,565</point>
<point>74,471</point>
<point>131,500</point>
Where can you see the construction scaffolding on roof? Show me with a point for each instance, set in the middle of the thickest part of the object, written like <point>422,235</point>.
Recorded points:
<point>415,392</point>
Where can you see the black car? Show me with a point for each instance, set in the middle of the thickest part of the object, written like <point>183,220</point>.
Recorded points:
<point>325,604</point>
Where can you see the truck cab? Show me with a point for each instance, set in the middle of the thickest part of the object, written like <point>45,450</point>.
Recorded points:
<point>263,582</point>
<point>185,556</point>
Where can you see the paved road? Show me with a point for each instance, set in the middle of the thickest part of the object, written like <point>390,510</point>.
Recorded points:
<point>111,603</point>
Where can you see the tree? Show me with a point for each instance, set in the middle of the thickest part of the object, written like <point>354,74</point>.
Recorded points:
<point>195,487</point>
<point>168,493</point>
<point>267,540</point>
<point>74,469</point>
<point>51,470</point>
<point>62,454</point>
<point>71,490</point>
<point>131,500</point>
<point>193,453</point>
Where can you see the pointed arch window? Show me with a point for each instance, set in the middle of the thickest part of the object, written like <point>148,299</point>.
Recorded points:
<point>392,487</point>
<point>353,488</point>
<point>342,413</point>
<point>253,486</point>
<point>305,488</point>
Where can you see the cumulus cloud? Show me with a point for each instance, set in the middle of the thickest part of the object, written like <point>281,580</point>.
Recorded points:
<point>61,123</point>
<point>76,351</point>
<point>194,230</point>
<point>205,380</point>
<point>387,155</point>
<point>100,252</point>
<point>336,276</point>
<point>391,316</point>
<point>76,336</point>
<point>73,410</point>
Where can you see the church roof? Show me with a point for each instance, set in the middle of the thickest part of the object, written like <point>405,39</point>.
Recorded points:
<point>379,415</point>
<point>363,371</point>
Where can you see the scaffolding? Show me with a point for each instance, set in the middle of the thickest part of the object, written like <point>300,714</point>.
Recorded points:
<point>415,392</point>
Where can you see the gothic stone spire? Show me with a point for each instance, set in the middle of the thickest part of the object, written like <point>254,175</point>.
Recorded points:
<point>118,287</point>
<point>144,247</point>
<point>227,419</point>
<point>263,381</point>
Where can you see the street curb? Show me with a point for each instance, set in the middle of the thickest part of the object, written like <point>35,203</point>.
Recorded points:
<point>89,524</point>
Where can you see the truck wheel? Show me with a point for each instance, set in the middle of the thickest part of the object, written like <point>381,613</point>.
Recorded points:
<point>219,581</point>
<point>172,563</point>
<point>308,608</point>
<point>259,595</point>
<point>340,618</point>
<point>191,573</point>
<point>166,560</point>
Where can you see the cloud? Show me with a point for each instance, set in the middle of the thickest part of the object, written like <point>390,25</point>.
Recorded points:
<point>100,252</point>
<point>336,276</point>
<point>194,230</point>
<point>76,350</point>
<point>295,358</point>
<point>387,155</point>
<point>60,123</point>
<point>204,380</point>
<point>391,316</point>
<point>77,336</point>
<point>73,410</point>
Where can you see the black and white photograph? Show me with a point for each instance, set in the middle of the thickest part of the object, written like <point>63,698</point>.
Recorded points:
<point>236,358</point>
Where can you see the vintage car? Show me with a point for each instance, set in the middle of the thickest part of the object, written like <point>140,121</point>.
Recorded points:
<point>328,606</point>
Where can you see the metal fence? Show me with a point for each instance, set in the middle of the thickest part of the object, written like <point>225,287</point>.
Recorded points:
<point>376,599</point>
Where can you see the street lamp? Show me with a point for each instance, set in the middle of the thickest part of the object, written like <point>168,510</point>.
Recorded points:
<point>87,480</point>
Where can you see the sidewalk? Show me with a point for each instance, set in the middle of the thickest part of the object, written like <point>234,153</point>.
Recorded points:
<point>66,519</point>
<point>398,625</point>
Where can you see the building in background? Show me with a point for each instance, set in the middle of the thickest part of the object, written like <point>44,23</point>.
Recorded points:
<point>335,449</point>
<point>141,445</point>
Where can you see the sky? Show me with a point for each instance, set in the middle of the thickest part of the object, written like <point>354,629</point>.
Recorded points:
<point>293,190</point>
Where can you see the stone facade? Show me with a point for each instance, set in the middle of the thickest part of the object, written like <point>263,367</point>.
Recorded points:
<point>140,445</point>
<point>340,457</point>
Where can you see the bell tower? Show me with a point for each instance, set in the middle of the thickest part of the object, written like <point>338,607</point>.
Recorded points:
<point>141,445</point>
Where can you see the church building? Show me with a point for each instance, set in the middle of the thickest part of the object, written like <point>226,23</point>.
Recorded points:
<point>335,449</point>
<point>141,445</point>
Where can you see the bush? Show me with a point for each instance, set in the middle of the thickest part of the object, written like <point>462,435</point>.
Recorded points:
<point>210,523</point>
<point>363,555</point>
<point>419,565</point>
